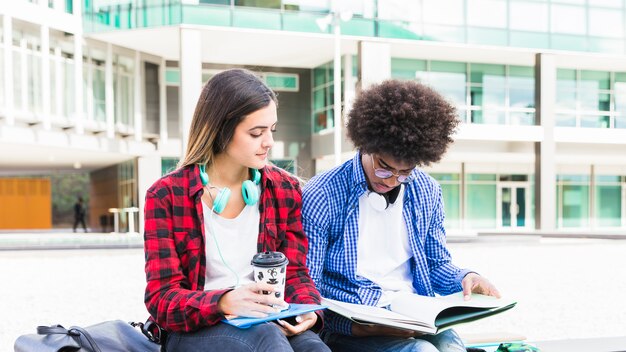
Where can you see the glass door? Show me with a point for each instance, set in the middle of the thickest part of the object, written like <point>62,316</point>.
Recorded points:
<point>513,210</point>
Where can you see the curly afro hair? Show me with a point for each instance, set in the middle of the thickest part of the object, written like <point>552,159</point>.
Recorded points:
<point>403,119</point>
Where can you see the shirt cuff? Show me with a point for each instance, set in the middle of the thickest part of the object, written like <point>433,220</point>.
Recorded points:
<point>460,276</point>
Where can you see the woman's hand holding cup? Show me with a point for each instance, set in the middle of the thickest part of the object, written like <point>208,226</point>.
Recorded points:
<point>249,301</point>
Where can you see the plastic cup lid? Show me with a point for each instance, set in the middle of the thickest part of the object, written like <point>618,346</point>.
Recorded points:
<point>269,259</point>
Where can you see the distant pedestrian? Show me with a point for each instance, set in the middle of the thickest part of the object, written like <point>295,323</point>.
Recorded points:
<point>79,214</point>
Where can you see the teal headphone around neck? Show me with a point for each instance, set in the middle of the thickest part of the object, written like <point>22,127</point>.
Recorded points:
<point>249,189</point>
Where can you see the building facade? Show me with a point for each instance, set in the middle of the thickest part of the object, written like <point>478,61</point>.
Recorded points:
<point>109,86</point>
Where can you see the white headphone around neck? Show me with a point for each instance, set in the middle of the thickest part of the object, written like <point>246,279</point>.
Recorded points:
<point>382,201</point>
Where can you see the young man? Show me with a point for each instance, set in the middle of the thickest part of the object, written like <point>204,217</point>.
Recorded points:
<point>375,223</point>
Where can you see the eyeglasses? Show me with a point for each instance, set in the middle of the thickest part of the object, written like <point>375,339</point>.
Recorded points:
<point>385,174</point>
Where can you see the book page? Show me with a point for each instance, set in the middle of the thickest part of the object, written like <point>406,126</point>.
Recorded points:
<point>375,315</point>
<point>427,308</point>
<point>476,301</point>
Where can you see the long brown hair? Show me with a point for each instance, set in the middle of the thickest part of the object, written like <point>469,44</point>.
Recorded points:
<point>226,99</point>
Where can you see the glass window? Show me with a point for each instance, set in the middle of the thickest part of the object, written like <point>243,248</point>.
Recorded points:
<point>608,205</point>
<point>168,165</point>
<point>606,23</point>
<point>521,87</point>
<point>486,13</point>
<point>172,76</point>
<point>68,91</point>
<point>522,118</point>
<point>444,12</point>
<point>399,10</point>
<point>566,89</point>
<point>17,78</point>
<point>487,36</point>
<point>565,120</point>
<point>573,178</point>
<point>492,80</point>
<point>304,5</point>
<point>568,19</point>
<point>286,82</point>
<point>451,194</point>
<point>608,179</point>
<point>595,80</point>
<point>481,206</point>
<point>619,121</point>
<point>575,2</point>
<point>620,92</point>
<point>449,78</point>
<point>528,16</point>
<point>319,76</point>
<point>607,3</point>
<point>594,121</point>
<point>481,177</point>
<point>99,94</point>
<point>573,205</point>
<point>451,85</point>
<point>33,64</point>
<point>442,178</point>
<point>258,3</point>
<point>604,45</point>
<point>406,68</point>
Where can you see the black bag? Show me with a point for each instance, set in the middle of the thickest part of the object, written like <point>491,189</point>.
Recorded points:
<point>108,336</point>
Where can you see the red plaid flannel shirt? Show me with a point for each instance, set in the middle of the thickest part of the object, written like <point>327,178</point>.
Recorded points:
<point>175,250</point>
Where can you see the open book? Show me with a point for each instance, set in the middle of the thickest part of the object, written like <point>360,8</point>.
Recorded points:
<point>293,310</point>
<point>421,313</point>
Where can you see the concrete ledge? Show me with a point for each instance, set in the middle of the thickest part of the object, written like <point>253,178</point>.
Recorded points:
<point>55,240</point>
<point>607,235</point>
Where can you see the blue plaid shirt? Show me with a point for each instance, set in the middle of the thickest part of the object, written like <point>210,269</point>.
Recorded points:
<point>330,216</point>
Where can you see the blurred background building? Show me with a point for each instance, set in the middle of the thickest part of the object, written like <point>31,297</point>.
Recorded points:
<point>107,88</point>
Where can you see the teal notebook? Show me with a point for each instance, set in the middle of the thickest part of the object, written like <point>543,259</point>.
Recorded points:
<point>293,310</point>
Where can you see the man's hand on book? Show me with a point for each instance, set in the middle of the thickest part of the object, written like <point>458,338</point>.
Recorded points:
<point>381,330</point>
<point>303,323</point>
<point>474,283</point>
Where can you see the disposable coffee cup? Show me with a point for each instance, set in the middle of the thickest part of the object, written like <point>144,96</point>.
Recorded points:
<point>271,268</point>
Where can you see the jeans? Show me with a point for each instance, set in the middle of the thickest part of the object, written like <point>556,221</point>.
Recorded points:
<point>446,341</point>
<point>227,338</point>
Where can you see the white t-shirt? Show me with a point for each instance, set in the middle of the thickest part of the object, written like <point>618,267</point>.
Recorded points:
<point>383,250</point>
<point>236,240</point>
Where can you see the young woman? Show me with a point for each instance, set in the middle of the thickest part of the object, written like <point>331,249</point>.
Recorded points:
<point>205,221</point>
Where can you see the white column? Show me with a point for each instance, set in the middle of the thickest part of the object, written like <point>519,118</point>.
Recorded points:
<point>59,5</point>
<point>545,168</point>
<point>374,63</point>
<point>77,6</point>
<point>190,79</point>
<point>162,103</point>
<point>90,98</point>
<point>148,171</point>
<point>138,100</point>
<point>349,92</point>
<point>59,78</point>
<point>45,75</point>
<point>79,115</point>
<point>338,121</point>
<point>109,94</point>
<point>23,75</point>
<point>7,29</point>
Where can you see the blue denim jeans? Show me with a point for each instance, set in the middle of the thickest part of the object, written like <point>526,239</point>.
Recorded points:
<point>446,341</point>
<point>227,338</point>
